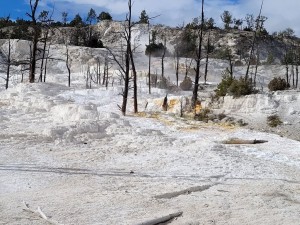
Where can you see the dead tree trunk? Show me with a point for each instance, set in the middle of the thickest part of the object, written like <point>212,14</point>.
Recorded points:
<point>127,59</point>
<point>293,75</point>
<point>287,73</point>
<point>43,57</point>
<point>198,60</point>
<point>253,41</point>
<point>106,72</point>
<point>8,64</point>
<point>297,76</point>
<point>256,65</point>
<point>35,39</point>
<point>149,63</point>
<point>187,67</point>
<point>163,58</point>
<point>177,67</point>
<point>68,63</point>
<point>206,60</point>
<point>46,62</point>
<point>98,71</point>
<point>135,98</point>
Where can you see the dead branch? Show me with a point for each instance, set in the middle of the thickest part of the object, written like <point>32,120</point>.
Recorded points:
<point>163,219</point>
<point>184,192</point>
<point>237,141</point>
<point>40,213</point>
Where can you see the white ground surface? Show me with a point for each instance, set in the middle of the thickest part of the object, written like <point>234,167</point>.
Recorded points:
<point>70,152</point>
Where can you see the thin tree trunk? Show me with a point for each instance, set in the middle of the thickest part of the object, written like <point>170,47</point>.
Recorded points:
<point>256,66</point>
<point>149,63</point>
<point>43,58</point>
<point>135,102</point>
<point>33,58</point>
<point>253,41</point>
<point>187,67</point>
<point>207,54</point>
<point>162,59</point>
<point>177,68</point>
<point>127,61</point>
<point>287,73</point>
<point>106,72</point>
<point>297,76</point>
<point>8,64</point>
<point>35,40</point>
<point>198,60</point>
<point>293,75</point>
<point>68,68</point>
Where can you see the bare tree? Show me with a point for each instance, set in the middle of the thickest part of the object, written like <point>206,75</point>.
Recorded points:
<point>149,61</point>
<point>177,58</point>
<point>125,69</point>
<point>135,101</point>
<point>208,51</point>
<point>198,59</point>
<point>68,64</point>
<point>6,60</point>
<point>35,38</point>
<point>188,65</point>
<point>45,20</point>
<point>297,61</point>
<point>257,28</point>
<point>163,56</point>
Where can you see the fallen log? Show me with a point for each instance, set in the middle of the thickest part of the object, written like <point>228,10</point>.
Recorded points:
<point>184,192</point>
<point>40,213</point>
<point>163,219</point>
<point>237,141</point>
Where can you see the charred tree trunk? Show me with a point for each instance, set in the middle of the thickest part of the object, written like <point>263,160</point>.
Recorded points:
<point>177,67</point>
<point>198,60</point>
<point>68,67</point>
<point>35,39</point>
<point>135,102</point>
<point>293,75</point>
<point>43,57</point>
<point>8,64</point>
<point>287,73</point>
<point>163,58</point>
<point>46,63</point>
<point>256,65</point>
<point>297,76</point>
<point>253,41</point>
<point>106,72</point>
<point>206,60</point>
<point>127,60</point>
<point>149,63</point>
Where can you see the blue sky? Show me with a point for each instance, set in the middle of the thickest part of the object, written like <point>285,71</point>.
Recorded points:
<point>281,14</point>
<point>15,8</point>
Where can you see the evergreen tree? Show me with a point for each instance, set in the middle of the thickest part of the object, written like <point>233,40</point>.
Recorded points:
<point>91,17</point>
<point>144,18</point>
<point>227,19</point>
<point>77,21</point>
<point>104,16</point>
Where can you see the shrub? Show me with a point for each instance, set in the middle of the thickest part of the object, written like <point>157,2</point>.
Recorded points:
<point>186,84</point>
<point>203,115</point>
<point>163,83</point>
<point>241,87</point>
<point>232,86</point>
<point>156,50</point>
<point>238,63</point>
<point>223,86</point>
<point>274,121</point>
<point>277,84</point>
